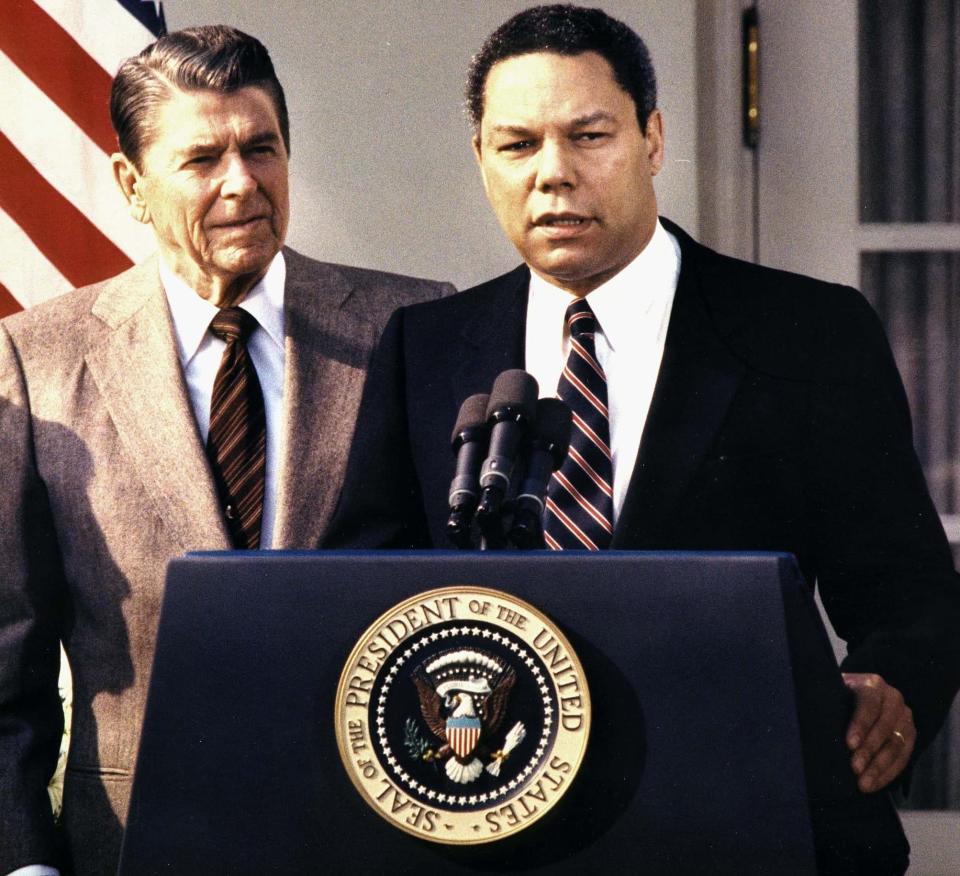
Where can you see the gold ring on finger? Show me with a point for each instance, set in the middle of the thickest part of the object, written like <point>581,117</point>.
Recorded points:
<point>900,736</point>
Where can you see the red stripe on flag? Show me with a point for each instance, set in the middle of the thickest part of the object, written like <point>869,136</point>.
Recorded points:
<point>58,229</point>
<point>8,304</point>
<point>46,53</point>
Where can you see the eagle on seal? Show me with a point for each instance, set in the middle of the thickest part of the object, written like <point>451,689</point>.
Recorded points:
<point>463,699</point>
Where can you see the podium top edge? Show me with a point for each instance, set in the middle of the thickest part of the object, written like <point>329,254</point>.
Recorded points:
<point>476,555</point>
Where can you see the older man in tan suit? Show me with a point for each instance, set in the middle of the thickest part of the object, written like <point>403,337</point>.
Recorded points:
<point>115,458</point>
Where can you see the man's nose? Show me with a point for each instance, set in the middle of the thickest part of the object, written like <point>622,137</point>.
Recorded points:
<point>238,181</point>
<point>555,166</point>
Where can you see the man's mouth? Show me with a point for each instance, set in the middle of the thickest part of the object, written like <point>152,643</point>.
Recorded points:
<point>561,220</point>
<point>559,227</point>
<point>242,223</point>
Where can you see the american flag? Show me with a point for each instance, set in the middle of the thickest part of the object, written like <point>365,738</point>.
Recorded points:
<point>63,223</point>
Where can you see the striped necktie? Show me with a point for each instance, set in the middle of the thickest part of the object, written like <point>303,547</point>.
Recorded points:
<point>579,508</point>
<point>236,442</point>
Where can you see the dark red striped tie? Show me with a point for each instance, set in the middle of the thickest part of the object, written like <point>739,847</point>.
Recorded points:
<point>579,508</point>
<point>237,440</point>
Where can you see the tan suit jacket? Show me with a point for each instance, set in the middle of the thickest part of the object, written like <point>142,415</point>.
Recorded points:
<point>105,479</point>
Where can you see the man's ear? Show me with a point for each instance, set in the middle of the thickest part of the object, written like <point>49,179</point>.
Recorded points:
<point>478,155</point>
<point>130,182</point>
<point>475,143</point>
<point>654,139</point>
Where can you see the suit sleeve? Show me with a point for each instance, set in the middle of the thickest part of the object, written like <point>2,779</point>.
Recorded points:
<point>885,571</point>
<point>381,504</point>
<point>31,588</point>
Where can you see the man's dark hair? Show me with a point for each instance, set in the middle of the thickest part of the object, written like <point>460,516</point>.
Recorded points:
<point>215,57</point>
<point>567,30</point>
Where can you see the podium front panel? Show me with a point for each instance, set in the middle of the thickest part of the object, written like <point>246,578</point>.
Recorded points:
<point>694,761</point>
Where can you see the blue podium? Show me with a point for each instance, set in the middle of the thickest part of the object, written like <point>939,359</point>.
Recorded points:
<point>718,716</point>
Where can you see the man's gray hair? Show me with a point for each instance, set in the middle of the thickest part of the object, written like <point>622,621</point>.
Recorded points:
<point>215,57</point>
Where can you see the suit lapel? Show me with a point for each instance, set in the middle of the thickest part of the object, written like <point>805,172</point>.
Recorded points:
<point>326,346</point>
<point>494,340</point>
<point>697,381</point>
<point>138,374</point>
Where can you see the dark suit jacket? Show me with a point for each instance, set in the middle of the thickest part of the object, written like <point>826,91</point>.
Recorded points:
<point>105,479</point>
<point>779,422</point>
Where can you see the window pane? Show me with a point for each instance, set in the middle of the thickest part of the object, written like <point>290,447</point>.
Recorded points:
<point>909,120</point>
<point>917,295</point>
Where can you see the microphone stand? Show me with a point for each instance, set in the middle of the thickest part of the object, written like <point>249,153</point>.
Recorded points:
<point>527,530</point>
<point>490,517</point>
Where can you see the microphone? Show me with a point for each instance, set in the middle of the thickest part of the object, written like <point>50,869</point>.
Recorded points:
<point>546,452</point>
<point>469,443</point>
<point>511,408</point>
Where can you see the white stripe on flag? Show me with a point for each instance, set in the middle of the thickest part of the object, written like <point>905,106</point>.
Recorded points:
<point>103,28</point>
<point>30,277</point>
<point>69,160</point>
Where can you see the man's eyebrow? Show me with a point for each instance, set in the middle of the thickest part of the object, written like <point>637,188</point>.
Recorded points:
<point>518,130</point>
<point>578,122</point>
<point>592,119</point>
<point>198,147</point>
<point>258,138</point>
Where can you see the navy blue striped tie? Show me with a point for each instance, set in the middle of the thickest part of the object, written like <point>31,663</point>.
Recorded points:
<point>579,508</point>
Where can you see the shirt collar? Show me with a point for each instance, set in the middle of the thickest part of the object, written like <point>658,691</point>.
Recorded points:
<point>192,314</point>
<point>632,293</point>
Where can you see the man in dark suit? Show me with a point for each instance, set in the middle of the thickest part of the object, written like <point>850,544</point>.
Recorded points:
<point>747,408</point>
<point>107,428</point>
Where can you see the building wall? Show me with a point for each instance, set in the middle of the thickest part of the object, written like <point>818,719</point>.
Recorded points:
<point>382,174</point>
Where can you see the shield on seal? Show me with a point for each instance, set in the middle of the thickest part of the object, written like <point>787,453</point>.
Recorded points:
<point>463,734</point>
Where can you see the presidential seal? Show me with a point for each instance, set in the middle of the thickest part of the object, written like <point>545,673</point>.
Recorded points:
<point>462,715</point>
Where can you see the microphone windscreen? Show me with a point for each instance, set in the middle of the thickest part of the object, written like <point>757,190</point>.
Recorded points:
<point>554,420</point>
<point>514,388</point>
<point>473,412</point>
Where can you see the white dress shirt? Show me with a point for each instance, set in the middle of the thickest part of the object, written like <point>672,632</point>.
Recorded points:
<point>200,354</point>
<point>633,311</point>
